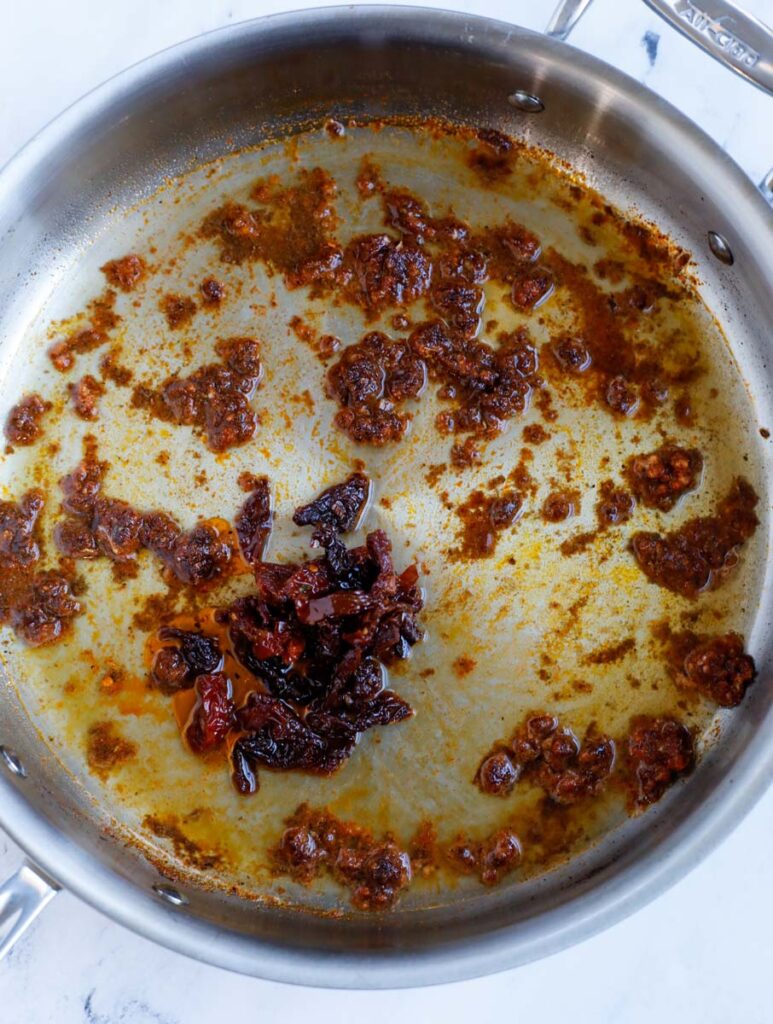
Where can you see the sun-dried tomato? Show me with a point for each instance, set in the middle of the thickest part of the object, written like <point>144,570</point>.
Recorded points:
<point>213,714</point>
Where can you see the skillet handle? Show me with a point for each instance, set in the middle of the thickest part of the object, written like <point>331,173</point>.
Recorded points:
<point>22,897</point>
<point>736,39</point>
<point>565,17</point>
<point>740,42</point>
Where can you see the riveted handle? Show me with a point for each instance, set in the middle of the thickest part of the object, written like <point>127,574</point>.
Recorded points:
<point>565,17</point>
<point>736,39</point>
<point>22,897</point>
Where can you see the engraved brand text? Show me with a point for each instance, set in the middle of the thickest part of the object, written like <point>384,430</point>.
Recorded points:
<point>714,29</point>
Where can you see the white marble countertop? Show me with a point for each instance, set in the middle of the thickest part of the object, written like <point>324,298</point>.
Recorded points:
<point>700,953</point>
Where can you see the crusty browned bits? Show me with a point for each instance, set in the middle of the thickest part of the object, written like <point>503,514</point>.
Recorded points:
<point>291,232</point>
<point>38,604</point>
<point>660,478</point>
<point>334,128</point>
<point>375,871</point>
<point>571,354</point>
<point>620,395</point>
<point>721,669</point>
<point>483,518</point>
<point>491,859</point>
<point>378,874</point>
<point>466,453</point>
<point>112,370</point>
<point>371,380</point>
<point>103,319</point>
<point>106,749</point>
<point>535,433</point>
<point>614,506</point>
<point>497,774</point>
<point>552,757</point>
<point>212,291</point>
<point>125,273</point>
<point>493,159</point>
<point>178,310</point>
<point>659,751</point>
<point>98,525</point>
<point>701,552</point>
<point>531,288</point>
<point>23,424</point>
<point>560,505</point>
<point>385,272</point>
<point>42,613</point>
<point>214,398</point>
<point>18,525</point>
<point>487,386</point>
<point>717,667</point>
<point>85,395</point>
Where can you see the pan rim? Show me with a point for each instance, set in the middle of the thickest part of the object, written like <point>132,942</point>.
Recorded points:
<point>604,905</point>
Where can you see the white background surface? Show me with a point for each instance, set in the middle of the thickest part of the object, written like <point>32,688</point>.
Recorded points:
<point>701,953</point>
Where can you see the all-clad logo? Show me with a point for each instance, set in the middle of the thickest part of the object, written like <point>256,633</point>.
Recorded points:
<point>715,30</point>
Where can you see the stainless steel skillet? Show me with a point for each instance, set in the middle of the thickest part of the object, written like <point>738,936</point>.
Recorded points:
<point>229,89</point>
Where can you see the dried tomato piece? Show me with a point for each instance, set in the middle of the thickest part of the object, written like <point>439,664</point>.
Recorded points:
<point>386,708</point>
<point>200,653</point>
<point>277,738</point>
<point>254,521</point>
<point>213,714</point>
<point>170,671</point>
<point>339,506</point>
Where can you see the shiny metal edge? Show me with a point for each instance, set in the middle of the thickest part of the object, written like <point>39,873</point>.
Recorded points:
<point>119,898</point>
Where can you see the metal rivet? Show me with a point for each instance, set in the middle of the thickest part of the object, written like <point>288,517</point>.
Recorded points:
<point>12,763</point>
<point>720,248</point>
<point>526,101</point>
<point>170,894</point>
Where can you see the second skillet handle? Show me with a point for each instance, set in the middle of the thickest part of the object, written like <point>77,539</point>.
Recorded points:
<point>736,39</point>
<point>22,897</point>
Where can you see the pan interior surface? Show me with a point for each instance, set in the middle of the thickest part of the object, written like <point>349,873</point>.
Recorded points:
<point>518,631</point>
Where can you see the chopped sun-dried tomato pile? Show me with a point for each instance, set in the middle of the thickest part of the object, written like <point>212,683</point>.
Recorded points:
<point>314,636</point>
